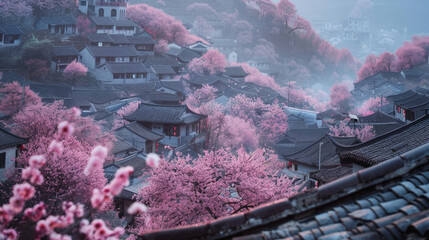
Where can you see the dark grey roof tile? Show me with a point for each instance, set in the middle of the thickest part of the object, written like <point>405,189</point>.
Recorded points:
<point>338,227</point>
<point>421,227</point>
<point>8,139</point>
<point>384,221</point>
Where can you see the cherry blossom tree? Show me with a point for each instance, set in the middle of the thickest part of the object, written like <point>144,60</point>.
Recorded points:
<point>37,69</point>
<point>160,25</point>
<point>75,70</point>
<point>371,105</point>
<point>14,9</point>
<point>210,63</point>
<point>123,112</point>
<point>83,25</point>
<point>16,98</point>
<point>340,97</point>
<point>41,220</point>
<point>410,55</point>
<point>343,130</point>
<point>269,120</point>
<point>196,98</point>
<point>202,9</point>
<point>219,183</point>
<point>255,76</point>
<point>161,46</point>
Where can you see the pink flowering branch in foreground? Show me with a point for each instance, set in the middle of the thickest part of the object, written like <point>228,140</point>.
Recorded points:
<point>58,227</point>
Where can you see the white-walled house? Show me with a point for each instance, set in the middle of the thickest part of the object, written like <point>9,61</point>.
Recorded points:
<point>63,25</point>
<point>93,56</point>
<point>10,35</point>
<point>122,73</point>
<point>62,56</point>
<point>116,9</point>
<point>177,123</point>
<point>112,26</point>
<point>140,137</point>
<point>9,148</point>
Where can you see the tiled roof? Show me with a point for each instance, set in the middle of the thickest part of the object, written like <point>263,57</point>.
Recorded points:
<point>126,67</point>
<point>166,61</point>
<point>102,21</point>
<point>137,161</point>
<point>381,76</point>
<point>10,29</point>
<point>175,85</point>
<point>235,71</point>
<point>119,38</point>
<point>121,145</point>
<point>163,70</point>
<point>160,97</point>
<point>141,40</point>
<point>402,96</point>
<point>328,175</point>
<point>309,156</point>
<point>413,102</point>
<point>63,20</point>
<point>387,201</point>
<point>186,55</point>
<point>64,51</point>
<point>143,132</point>
<point>127,51</point>
<point>8,139</point>
<point>387,146</point>
<point>164,114</point>
<point>99,37</point>
<point>381,122</point>
<point>54,90</point>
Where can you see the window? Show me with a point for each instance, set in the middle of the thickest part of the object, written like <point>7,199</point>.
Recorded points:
<point>113,13</point>
<point>83,3</point>
<point>2,160</point>
<point>187,130</point>
<point>101,12</point>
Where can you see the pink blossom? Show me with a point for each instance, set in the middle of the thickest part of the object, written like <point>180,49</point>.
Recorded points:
<point>37,161</point>
<point>137,208</point>
<point>17,204</point>
<point>152,160</point>
<point>6,214</point>
<point>56,236</point>
<point>72,209</point>
<point>99,151</point>
<point>65,129</point>
<point>76,111</point>
<point>23,191</point>
<point>9,234</point>
<point>100,199</point>
<point>210,63</point>
<point>35,213</point>
<point>34,175</point>
<point>93,163</point>
<point>55,147</point>
<point>75,69</point>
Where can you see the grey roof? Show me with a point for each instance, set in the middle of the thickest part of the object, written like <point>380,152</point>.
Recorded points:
<point>8,139</point>
<point>387,146</point>
<point>10,29</point>
<point>185,150</point>
<point>98,37</point>
<point>163,70</point>
<point>379,77</point>
<point>137,161</point>
<point>162,97</point>
<point>327,175</point>
<point>102,21</point>
<point>186,55</point>
<point>126,67</point>
<point>166,61</point>
<point>381,122</point>
<point>83,97</point>
<point>175,85</point>
<point>140,40</point>
<point>126,51</point>
<point>143,132</point>
<point>124,23</point>
<point>62,20</point>
<point>58,51</point>
<point>235,72</point>
<point>52,90</point>
<point>152,113</point>
<point>402,96</point>
<point>413,102</point>
<point>386,201</point>
<point>121,145</point>
<point>119,39</point>
<point>309,156</point>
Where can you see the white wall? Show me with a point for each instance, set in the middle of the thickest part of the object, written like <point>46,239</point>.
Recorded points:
<point>10,165</point>
<point>87,59</point>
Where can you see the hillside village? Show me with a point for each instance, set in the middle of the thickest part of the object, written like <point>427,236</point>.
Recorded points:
<point>356,173</point>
